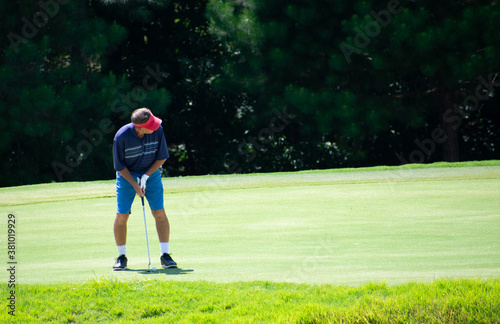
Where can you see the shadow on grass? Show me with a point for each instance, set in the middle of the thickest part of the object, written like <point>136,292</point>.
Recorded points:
<point>168,272</point>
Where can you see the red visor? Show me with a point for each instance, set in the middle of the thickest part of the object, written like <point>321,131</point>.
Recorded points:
<point>152,124</point>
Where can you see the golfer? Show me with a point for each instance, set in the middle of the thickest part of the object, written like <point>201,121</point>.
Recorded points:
<point>139,151</point>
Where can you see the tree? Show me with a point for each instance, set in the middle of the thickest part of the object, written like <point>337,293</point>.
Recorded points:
<point>200,123</point>
<point>72,72</point>
<point>54,95</point>
<point>367,80</point>
<point>440,54</point>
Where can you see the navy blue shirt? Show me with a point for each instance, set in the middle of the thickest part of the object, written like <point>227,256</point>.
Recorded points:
<point>135,153</point>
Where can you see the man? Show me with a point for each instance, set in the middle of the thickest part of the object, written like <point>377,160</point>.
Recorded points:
<point>139,151</point>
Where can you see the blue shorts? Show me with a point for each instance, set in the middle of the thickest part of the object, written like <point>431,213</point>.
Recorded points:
<point>125,193</point>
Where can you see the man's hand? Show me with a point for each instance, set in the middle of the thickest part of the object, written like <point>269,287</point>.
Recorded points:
<point>143,181</point>
<point>138,189</point>
<point>135,184</point>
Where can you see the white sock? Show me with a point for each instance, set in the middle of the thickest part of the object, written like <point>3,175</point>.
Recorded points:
<point>122,250</point>
<point>164,247</point>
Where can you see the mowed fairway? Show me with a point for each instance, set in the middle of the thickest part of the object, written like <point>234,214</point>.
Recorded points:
<point>342,227</point>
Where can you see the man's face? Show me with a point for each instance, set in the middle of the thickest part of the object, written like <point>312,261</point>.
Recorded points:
<point>146,131</point>
<point>142,131</point>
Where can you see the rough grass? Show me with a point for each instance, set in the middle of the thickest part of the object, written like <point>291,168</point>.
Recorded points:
<point>426,237</point>
<point>156,301</point>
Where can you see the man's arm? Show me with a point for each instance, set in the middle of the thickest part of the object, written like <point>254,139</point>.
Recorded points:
<point>155,166</point>
<point>128,176</point>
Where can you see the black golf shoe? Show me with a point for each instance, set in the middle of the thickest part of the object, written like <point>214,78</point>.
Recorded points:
<point>167,262</point>
<point>121,263</point>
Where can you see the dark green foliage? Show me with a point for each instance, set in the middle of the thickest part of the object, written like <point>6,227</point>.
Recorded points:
<point>199,123</point>
<point>247,86</point>
<point>374,78</point>
<point>66,89</point>
<point>53,93</point>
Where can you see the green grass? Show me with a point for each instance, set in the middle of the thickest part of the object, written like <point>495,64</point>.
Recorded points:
<point>158,301</point>
<point>397,224</point>
<point>51,192</point>
<point>383,239</point>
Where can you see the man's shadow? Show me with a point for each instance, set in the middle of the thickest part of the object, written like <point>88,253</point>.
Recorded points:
<point>168,271</point>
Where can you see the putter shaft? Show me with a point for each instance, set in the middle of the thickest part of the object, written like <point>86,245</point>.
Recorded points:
<point>146,228</point>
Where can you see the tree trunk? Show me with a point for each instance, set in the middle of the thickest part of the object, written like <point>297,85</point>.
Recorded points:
<point>450,122</point>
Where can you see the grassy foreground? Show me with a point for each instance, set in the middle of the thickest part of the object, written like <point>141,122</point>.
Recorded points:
<point>155,301</point>
<point>410,244</point>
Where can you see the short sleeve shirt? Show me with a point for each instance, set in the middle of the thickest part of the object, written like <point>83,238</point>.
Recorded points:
<point>135,153</point>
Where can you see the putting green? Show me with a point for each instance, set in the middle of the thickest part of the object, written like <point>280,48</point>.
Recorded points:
<point>350,227</point>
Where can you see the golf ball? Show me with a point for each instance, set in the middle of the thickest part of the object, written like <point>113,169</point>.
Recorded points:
<point>153,268</point>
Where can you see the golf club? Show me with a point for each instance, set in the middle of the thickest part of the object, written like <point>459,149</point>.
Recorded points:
<point>146,228</point>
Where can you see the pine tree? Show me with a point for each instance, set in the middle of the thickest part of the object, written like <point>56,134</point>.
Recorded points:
<point>371,82</point>
<point>429,58</point>
<point>54,97</point>
<point>172,36</point>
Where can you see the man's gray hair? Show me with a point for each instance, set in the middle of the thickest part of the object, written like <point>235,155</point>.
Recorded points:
<point>140,116</point>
